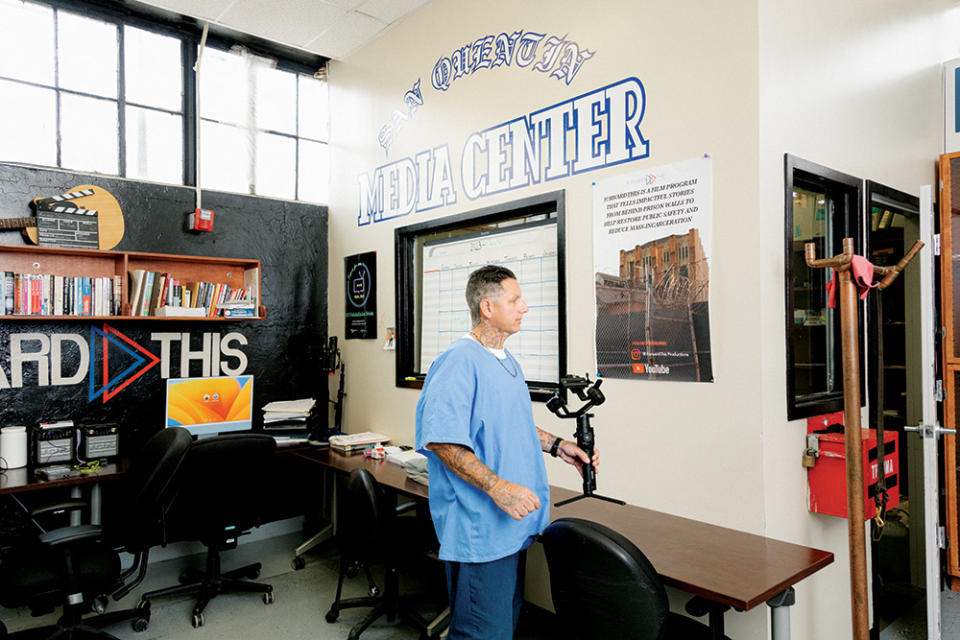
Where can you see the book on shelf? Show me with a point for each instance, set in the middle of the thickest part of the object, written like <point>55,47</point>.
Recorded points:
<point>152,291</point>
<point>247,311</point>
<point>56,295</point>
<point>159,283</point>
<point>251,284</point>
<point>8,293</point>
<point>171,311</point>
<point>136,289</point>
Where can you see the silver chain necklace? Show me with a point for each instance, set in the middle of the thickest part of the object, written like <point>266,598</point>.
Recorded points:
<point>499,360</point>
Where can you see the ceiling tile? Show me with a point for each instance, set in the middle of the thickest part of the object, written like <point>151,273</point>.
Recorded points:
<point>389,10</point>
<point>293,22</point>
<point>346,35</point>
<point>208,9</point>
<point>349,5</point>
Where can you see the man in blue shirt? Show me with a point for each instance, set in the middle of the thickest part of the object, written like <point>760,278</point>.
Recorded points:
<point>489,496</point>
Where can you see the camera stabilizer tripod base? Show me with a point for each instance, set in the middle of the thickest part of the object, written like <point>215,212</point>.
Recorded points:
<point>585,441</point>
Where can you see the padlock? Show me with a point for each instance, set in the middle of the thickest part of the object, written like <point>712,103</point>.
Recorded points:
<point>812,452</point>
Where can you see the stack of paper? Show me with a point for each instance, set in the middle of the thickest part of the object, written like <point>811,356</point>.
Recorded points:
<point>396,455</point>
<point>354,442</point>
<point>287,414</point>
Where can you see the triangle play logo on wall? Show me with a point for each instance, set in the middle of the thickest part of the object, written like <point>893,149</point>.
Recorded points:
<point>116,361</point>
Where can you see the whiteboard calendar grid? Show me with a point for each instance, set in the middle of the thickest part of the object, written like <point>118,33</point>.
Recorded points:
<point>531,255</point>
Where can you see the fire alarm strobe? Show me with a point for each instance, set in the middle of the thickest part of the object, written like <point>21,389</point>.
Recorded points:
<point>201,220</point>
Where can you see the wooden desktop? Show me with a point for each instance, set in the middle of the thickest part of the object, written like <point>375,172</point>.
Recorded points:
<point>726,566</point>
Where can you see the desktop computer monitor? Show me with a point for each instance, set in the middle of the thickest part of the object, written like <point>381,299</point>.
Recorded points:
<point>208,406</point>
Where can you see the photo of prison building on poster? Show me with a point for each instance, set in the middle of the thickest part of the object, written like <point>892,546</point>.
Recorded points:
<point>653,316</point>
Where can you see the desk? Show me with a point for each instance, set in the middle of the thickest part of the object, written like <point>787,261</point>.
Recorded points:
<point>386,473</point>
<point>13,481</point>
<point>723,565</point>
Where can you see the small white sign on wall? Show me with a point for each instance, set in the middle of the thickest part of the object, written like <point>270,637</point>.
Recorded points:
<point>951,106</point>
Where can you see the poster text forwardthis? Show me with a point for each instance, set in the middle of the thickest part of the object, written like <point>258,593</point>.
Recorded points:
<point>652,237</point>
<point>591,131</point>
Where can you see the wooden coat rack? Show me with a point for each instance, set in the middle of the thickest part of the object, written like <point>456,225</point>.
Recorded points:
<point>850,349</point>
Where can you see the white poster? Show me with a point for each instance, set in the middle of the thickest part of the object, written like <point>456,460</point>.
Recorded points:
<point>651,253</point>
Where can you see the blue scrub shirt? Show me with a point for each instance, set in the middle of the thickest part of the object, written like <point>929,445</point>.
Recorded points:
<point>470,399</point>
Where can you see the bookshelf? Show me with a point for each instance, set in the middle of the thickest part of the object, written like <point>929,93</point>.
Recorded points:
<point>55,261</point>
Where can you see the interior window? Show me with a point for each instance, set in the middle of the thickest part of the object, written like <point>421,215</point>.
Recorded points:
<point>822,207</point>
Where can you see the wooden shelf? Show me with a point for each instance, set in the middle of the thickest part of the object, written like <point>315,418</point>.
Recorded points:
<point>23,259</point>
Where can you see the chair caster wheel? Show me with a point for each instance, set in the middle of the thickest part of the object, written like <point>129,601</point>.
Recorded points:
<point>298,563</point>
<point>268,597</point>
<point>197,620</point>
<point>140,624</point>
<point>100,604</point>
<point>332,615</point>
<point>353,569</point>
<point>374,591</point>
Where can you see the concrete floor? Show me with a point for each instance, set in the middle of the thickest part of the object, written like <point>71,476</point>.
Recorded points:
<point>913,624</point>
<point>302,599</point>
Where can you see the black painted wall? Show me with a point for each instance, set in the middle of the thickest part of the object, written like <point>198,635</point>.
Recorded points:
<point>290,240</point>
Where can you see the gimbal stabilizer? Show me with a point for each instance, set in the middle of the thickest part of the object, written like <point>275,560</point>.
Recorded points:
<point>591,394</point>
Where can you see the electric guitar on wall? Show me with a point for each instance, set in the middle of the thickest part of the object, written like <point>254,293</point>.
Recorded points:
<point>81,212</point>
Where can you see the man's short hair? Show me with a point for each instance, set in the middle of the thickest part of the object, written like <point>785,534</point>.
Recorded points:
<point>485,283</point>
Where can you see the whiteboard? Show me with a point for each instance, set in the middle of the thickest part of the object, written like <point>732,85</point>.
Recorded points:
<point>530,252</point>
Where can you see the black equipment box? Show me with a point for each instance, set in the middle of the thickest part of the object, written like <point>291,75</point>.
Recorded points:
<point>99,441</point>
<point>53,445</point>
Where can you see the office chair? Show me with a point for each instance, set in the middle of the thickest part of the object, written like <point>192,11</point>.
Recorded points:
<point>604,587</point>
<point>74,566</point>
<point>220,498</point>
<point>369,531</point>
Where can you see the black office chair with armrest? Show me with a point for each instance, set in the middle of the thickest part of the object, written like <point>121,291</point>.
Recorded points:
<point>74,566</point>
<point>220,498</point>
<point>604,587</point>
<point>369,531</point>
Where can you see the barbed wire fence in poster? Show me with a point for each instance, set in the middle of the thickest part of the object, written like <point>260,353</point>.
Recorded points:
<point>652,244</point>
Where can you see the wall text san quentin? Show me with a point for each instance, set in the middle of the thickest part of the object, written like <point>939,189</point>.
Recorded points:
<point>597,129</point>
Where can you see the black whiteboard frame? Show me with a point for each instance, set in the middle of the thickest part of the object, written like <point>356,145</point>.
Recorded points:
<point>406,279</point>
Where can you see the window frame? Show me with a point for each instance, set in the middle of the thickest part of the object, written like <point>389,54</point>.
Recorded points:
<point>189,31</point>
<point>850,189</point>
<point>405,249</point>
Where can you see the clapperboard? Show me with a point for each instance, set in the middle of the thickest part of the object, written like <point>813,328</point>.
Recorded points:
<point>62,223</point>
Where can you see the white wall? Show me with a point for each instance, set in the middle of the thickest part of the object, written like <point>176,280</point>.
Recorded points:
<point>722,452</point>
<point>689,449</point>
<point>854,86</point>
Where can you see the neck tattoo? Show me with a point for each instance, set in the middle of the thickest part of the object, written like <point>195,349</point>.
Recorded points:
<point>499,360</point>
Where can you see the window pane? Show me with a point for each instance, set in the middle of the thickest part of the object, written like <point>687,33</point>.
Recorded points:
<point>314,172</point>
<point>276,166</point>
<point>814,368</point>
<point>314,115</point>
<point>154,145</point>
<point>224,158</point>
<point>28,128</point>
<point>87,54</point>
<point>276,100</point>
<point>152,69</point>
<point>223,87</point>
<point>89,133</point>
<point>26,41</point>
